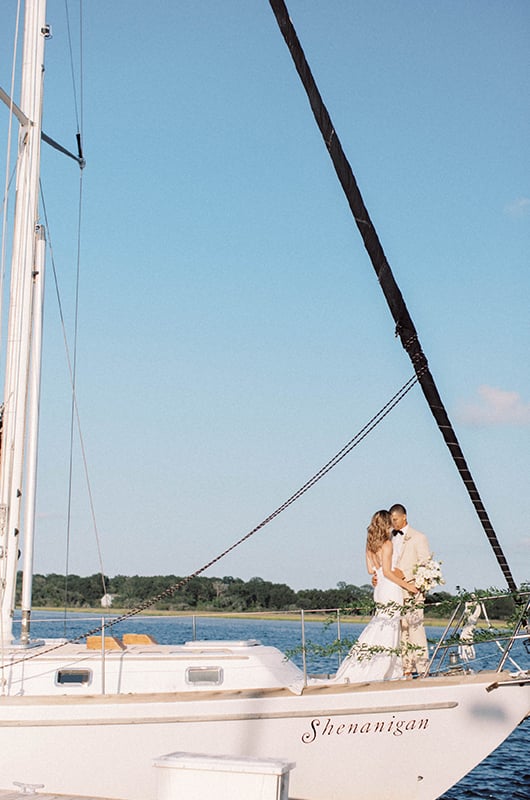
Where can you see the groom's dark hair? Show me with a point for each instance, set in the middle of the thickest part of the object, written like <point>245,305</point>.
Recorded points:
<point>399,508</point>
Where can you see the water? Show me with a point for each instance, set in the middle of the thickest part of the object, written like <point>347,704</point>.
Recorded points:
<point>504,775</point>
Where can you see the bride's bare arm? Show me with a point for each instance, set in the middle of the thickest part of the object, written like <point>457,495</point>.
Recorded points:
<point>370,564</point>
<point>386,553</point>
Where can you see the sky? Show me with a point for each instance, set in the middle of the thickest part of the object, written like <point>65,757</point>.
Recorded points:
<point>232,336</point>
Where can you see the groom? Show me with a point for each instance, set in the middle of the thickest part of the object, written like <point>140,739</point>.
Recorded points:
<point>410,547</point>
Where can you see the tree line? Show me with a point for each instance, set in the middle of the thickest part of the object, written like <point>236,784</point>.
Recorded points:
<point>226,594</point>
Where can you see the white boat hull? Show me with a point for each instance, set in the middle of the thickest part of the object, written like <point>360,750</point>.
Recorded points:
<point>85,722</point>
<point>336,734</point>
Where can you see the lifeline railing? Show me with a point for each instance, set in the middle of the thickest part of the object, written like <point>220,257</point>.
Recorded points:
<point>468,629</point>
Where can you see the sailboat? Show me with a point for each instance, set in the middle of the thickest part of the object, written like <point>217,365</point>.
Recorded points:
<point>92,717</point>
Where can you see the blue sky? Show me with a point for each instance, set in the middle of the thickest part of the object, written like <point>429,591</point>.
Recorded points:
<point>232,334</point>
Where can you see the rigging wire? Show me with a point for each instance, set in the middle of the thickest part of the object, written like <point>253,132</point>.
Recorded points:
<point>333,462</point>
<point>70,50</point>
<point>74,398</point>
<point>72,362</point>
<point>5,208</point>
<point>8,179</point>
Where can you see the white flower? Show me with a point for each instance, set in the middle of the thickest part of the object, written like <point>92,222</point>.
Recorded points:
<point>427,574</point>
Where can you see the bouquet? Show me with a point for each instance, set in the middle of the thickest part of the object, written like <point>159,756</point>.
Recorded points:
<point>427,574</point>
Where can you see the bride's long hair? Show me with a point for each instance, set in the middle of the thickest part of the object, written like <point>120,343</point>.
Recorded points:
<point>378,531</point>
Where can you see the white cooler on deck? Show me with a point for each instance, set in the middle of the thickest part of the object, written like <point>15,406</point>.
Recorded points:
<point>196,776</point>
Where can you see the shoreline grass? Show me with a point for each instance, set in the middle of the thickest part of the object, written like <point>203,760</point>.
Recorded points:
<point>278,616</point>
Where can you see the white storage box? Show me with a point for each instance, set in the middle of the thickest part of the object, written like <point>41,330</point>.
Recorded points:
<point>196,776</point>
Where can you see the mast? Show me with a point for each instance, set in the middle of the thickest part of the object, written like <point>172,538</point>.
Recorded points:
<point>24,272</point>
<point>30,493</point>
<point>405,328</point>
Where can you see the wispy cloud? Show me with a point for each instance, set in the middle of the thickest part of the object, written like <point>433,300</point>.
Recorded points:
<point>494,407</point>
<point>520,207</point>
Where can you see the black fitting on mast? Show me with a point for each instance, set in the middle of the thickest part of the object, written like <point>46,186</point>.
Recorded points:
<point>80,158</point>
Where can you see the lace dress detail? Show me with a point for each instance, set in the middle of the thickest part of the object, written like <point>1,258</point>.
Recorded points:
<point>365,662</point>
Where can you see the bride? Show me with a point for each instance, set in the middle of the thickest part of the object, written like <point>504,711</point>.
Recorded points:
<point>375,656</point>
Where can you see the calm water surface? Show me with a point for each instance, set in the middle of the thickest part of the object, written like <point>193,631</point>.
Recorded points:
<point>504,775</point>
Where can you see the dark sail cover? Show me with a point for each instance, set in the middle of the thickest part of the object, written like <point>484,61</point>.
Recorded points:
<point>405,328</point>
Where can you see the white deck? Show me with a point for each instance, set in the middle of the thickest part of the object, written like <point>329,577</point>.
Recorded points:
<point>16,794</point>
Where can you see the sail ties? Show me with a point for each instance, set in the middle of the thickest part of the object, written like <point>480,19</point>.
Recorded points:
<point>412,346</point>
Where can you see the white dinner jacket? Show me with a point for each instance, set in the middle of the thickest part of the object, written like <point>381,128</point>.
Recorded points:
<point>414,549</point>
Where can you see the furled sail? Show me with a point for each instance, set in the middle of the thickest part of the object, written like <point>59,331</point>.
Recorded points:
<point>404,325</point>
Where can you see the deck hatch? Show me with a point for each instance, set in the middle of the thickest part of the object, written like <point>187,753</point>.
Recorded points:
<point>211,676</point>
<point>69,677</point>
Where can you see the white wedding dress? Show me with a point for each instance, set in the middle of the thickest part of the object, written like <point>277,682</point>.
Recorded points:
<point>365,662</point>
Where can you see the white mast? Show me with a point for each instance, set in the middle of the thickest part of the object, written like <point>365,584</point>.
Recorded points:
<point>30,491</point>
<point>19,335</point>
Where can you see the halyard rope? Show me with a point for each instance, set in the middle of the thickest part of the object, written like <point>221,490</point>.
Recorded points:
<point>171,590</point>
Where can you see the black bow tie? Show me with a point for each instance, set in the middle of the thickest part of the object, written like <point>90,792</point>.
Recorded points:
<point>396,533</point>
